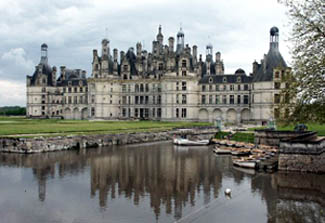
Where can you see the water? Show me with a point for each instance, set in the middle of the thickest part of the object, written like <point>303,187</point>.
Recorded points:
<point>151,183</point>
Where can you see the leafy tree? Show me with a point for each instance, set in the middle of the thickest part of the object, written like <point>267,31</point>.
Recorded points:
<point>307,18</point>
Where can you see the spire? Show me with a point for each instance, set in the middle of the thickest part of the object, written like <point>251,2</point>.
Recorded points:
<point>180,40</point>
<point>160,37</point>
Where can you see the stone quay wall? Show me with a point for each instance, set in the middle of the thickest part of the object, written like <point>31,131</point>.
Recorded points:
<point>302,156</point>
<point>273,138</point>
<point>58,143</point>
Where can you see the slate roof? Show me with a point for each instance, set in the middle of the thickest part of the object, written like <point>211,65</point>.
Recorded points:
<point>231,78</point>
<point>273,59</point>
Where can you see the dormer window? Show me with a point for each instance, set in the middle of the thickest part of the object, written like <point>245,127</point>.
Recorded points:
<point>238,79</point>
<point>277,74</point>
<point>224,80</point>
<point>69,83</point>
<point>210,80</point>
<point>184,63</point>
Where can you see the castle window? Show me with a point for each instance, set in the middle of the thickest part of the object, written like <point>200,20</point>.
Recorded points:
<point>184,113</point>
<point>124,100</point>
<point>231,99</point>
<point>81,89</point>
<point>146,99</point>
<point>177,86</point>
<point>141,88</point>
<point>124,112</point>
<point>64,90</point>
<point>210,87</point>
<point>159,112</point>
<point>238,87</point>
<point>245,99</point>
<point>184,86</point>
<point>153,112</point>
<point>224,79</point>
<point>44,81</point>
<point>203,88</point>
<point>125,67</point>
<point>75,99</point>
<point>92,111</point>
<point>123,88</point>
<point>177,112</point>
<point>136,99</point>
<point>184,73</point>
<point>141,100</point>
<point>43,107</point>
<point>224,99</point>
<point>183,63</point>
<point>177,99</point>
<point>217,99</point>
<point>238,99</point>
<point>210,80</point>
<point>136,112</point>
<point>136,88</point>
<point>160,66</point>
<point>246,87</point>
<point>69,100</point>
<point>224,87</point>
<point>276,98</point>
<point>231,87</point>
<point>276,113</point>
<point>96,66</point>
<point>183,99</point>
<point>92,99</point>
<point>217,87</point>
<point>210,99</point>
<point>75,89</point>
<point>69,83</point>
<point>43,89</point>
<point>238,79</point>
<point>125,77</point>
<point>203,99</point>
<point>69,89</point>
<point>277,85</point>
<point>159,100</point>
<point>277,74</point>
<point>147,87</point>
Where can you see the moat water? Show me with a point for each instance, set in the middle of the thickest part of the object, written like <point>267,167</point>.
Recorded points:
<point>151,183</point>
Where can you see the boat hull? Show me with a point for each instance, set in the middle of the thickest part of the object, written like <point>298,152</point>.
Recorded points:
<point>186,142</point>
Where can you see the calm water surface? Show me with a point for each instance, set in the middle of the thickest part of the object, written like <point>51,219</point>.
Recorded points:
<point>151,183</point>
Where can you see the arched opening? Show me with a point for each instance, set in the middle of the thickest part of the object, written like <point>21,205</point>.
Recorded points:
<point>232,116</point>
<point>67,113</point>
<point>204,115</point>
<point>84,113</point>
<point>76,114</point>
<point>245,115</point>
<point>217,114</point>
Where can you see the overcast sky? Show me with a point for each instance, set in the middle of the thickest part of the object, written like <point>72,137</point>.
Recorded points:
<point>238,29</point>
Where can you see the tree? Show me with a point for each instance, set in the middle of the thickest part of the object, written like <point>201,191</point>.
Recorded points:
<point>307,18</point>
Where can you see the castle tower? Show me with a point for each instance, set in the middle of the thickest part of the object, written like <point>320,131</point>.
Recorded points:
<point>209,51</point>
<point>44,59</point>
<point>171,44</point>
<point>160,37</point>
<point>105,56</point>
<point>180,41</point>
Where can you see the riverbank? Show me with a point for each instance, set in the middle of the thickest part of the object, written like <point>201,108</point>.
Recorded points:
<point>59,143</point>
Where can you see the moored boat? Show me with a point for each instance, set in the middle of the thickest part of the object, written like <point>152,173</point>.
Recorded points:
<point>245,163</point>
<point>187,142</point>
<point>221,151</point>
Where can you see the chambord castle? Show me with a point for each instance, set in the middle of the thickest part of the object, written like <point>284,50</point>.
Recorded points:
<point>169,83</point>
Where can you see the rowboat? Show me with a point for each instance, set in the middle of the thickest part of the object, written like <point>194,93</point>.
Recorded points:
<point>245,163</point>
<point>187,142</point>
<point>221,151</point>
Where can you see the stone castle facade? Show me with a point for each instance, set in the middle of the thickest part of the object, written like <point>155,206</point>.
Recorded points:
<point>169,83</point>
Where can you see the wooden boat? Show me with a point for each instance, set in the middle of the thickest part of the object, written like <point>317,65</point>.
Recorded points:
<point>221,151</point>
<point>187,142</point>
<point>245,163</point>
<point>240,153</point>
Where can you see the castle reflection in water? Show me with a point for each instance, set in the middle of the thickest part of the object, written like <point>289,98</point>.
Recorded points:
<point>172,177</point>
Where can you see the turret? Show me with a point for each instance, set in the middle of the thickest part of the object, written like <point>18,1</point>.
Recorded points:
<point>115,66</point>
<point>160,37</point>
<point>209,51</point>
<point>218,56</point>
<point>44,59</point>
<point>180,41</point>
<point>171,41</point>
<point>105,56</point>
<point>274,38</point>
<point>122,54</point>
<point>255,67</point>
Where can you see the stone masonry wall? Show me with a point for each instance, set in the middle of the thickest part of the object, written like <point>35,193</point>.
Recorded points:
<point>302,156</point>
<point>49,144</point>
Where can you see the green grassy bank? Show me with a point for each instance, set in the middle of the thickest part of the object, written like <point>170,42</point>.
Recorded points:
<point>11,126</point>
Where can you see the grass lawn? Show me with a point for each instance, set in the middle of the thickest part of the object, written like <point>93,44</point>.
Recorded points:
<point>238,136</point>
<point>320,128</point>
<point>20,126</point>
